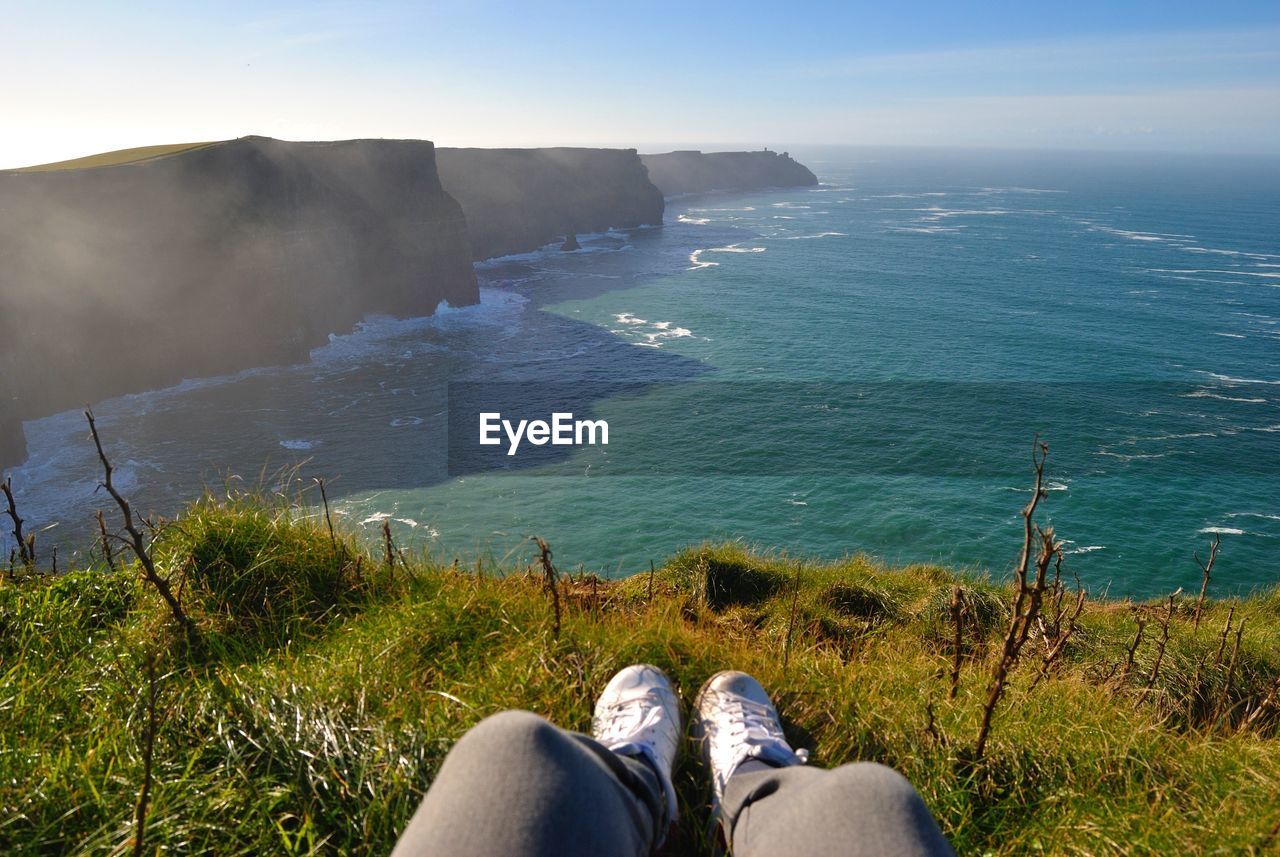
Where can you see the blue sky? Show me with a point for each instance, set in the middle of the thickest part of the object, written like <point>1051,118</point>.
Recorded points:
<point>84,77</point>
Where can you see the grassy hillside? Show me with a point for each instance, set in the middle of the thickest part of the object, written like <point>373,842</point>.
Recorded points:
<point>120,156</point>
<point>327,686</point>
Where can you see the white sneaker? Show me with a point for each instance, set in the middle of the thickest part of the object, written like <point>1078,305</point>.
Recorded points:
<point>639,714</point>
<point>734,721</point>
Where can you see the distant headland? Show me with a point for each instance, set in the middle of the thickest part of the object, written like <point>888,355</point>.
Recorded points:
<point>133,270</point>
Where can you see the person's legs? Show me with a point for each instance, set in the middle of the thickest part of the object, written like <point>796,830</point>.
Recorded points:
<point>517,785</point>
<point>768,803</point>
<point>857,809</point>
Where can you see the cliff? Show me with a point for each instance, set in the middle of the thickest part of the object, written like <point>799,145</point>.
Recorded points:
<point>216,258</point>
<point>517,200</point>
<point>677,173</point>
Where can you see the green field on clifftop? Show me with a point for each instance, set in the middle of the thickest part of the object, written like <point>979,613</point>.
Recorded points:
<point>120,156</point>
<point>328,685</point>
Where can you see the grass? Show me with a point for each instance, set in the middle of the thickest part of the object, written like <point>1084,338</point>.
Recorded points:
<point>330,687</point>
<point>120,156</point>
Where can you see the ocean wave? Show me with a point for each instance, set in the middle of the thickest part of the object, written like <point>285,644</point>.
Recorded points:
<point>697,221</point>
<point>653,337</point>
<point>1241,253</point>
<point>926,230</point>
<point>1138,235</point>
<point>1223,531</point>
<point>299,445</point>
<point>1206,394</point>
<point>1229,379</point>
<point>1136,456</point>
<point>819,235</point>
<point>937,213</point>
<point>986,191</point>
<point>698,262</point>
<point>1266,275</point>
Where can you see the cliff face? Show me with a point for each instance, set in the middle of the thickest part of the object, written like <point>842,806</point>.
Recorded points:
<point>246,253</point>
<point>518,200</point>
<point>677,173</point>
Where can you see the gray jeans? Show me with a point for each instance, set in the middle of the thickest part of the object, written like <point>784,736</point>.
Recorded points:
<point>517,785</point>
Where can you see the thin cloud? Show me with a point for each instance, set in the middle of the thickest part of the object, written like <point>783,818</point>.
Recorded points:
<point>1159,51</point>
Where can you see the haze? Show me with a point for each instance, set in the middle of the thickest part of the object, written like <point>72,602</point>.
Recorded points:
<point>82,78</point>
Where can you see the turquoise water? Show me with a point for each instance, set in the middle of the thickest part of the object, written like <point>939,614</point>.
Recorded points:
<point>860,366</point>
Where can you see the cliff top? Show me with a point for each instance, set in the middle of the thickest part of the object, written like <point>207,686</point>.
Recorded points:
<point>116,158</point>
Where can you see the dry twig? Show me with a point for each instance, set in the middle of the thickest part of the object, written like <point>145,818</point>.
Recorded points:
<point>549,578</point>
<point>1206,568</point>
<point>1027,599</point>
<point>138,543</point>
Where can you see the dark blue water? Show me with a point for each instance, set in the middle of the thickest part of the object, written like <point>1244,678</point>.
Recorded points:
<point>862,366</point>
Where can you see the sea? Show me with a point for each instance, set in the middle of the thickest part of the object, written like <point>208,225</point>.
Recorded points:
<point>862,367</point>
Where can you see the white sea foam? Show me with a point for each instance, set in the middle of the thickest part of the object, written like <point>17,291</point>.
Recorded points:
<point>401,422</point>
<point>1085,549</point>
<point>1253,515</point>
<point>1230,335</point>
<point>1266,275</point>
<point>1224,531</point>
<point>1129,457</point>
<point>653,337</point>
<point>819,235</point>
<point>1229,379</point>
<point>1206,394</point>
<point>926,230</point>
<point>986,191</point>
<point>299,445</point>
<point>698,262</point>
<point>1241,253</point>
<point>1137,235</point>
<point>698,221</point>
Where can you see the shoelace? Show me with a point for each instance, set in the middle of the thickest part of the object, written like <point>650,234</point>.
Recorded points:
<point>753,725</point>
<point>630,716</point>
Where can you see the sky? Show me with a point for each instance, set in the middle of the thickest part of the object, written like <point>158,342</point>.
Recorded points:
<point>83,77</point>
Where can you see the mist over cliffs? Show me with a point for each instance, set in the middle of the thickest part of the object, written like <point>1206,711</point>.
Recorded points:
<point>685,172</point>
<point>219,257</point>
<point>517,200</point>
<point>223,257</point>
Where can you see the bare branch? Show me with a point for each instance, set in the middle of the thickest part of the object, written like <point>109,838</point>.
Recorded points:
<point>1027,599</point>
<point>1206,568</point>
<point>550,578</point>
<point>1133,647</point>
<point>26,546</point>
<point>1164,639</point>
<point>107,553</point>
<point>138,544</point>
